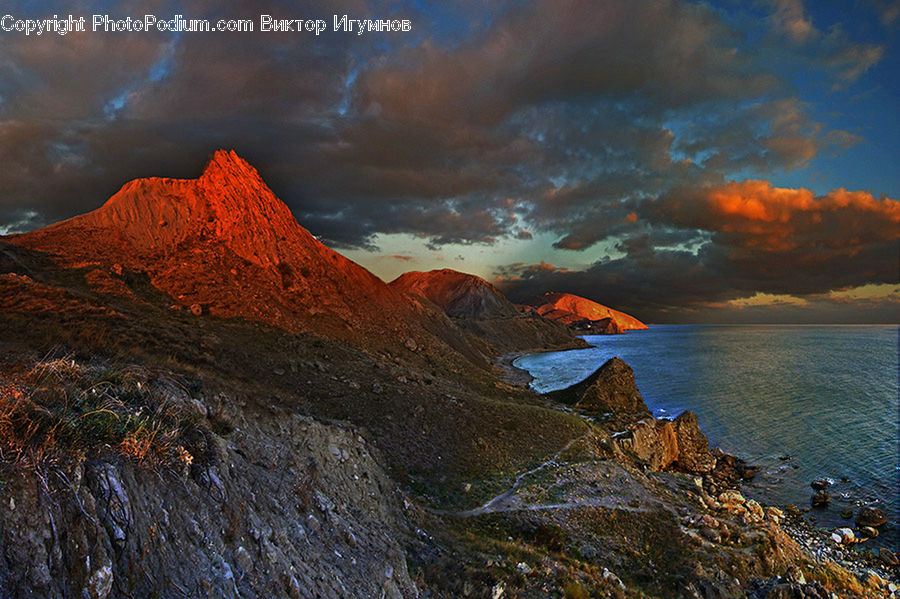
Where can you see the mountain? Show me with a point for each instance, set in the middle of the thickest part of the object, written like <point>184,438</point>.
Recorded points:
<point>479,307</point>
<point>224,244</point>
<point>579,312</point>
<point>458,294</point>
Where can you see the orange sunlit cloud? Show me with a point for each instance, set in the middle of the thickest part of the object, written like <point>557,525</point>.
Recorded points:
<point>755,214</point>
<point>767,299</point>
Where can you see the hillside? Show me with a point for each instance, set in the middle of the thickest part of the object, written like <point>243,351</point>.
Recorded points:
<point>479,307</point>
<point>573,310</point>
<point>458,294</point>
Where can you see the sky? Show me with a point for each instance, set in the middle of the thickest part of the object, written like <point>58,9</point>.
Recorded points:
<point>686,162</point>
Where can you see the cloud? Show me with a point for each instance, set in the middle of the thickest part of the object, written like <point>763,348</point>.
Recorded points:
<point>618,123</point>
<point>789,17</point>
<point>401,257</point>
<point>888,11</point>
<point>767,299</point>
<point>754,216</point>
<point>738,244</point>
<point>833,50</point>
<point>519,271</point>
<point>670,53</point>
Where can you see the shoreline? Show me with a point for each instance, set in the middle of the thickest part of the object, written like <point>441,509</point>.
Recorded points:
<point>511,374</point>
<point>814,539</point>
<point>519,377</point>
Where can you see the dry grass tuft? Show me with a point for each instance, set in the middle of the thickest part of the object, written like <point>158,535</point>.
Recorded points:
<point>61,410</point>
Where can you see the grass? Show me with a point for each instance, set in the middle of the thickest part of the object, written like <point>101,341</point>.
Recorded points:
<point>59,410</point>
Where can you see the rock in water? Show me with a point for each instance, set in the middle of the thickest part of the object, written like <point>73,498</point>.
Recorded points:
<point>819,484</point>
<point>613,390</point>
<point>870,516</point>
<point>820,499</point>
<point>888,557</point>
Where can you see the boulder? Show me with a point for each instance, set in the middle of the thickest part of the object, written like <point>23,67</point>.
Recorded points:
<point>820,499</point>
<point>888,557</point>
<point>870,516</point>
<point>652,441</point>
<point>820,484</point>
<point>731,498</point>
<point>843,536</point>
<point>868,532</point>
<point>773,514</point>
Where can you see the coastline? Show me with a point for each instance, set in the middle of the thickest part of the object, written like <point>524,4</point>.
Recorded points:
<point>511,374</point>
<point>519,377</point>
<point>816,540</point>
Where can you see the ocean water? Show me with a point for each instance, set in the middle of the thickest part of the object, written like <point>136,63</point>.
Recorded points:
<point>801,402</point>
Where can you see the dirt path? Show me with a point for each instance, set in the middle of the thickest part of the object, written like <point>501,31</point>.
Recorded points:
<point>496,503</point>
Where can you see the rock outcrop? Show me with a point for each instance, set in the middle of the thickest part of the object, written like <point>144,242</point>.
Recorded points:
<point>585,315</point>
<point>612,389</point>
<point>612,394</point>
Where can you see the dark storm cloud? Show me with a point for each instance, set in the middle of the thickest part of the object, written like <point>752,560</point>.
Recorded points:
<point>704,247</point>
<point>673,53</point>
<point>575,118</point>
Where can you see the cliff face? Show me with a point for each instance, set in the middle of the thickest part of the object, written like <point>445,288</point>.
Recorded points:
<point>579,312</point>
<point>478,307</point>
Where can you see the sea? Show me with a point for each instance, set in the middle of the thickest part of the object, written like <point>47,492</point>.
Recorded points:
<point>801,402</point>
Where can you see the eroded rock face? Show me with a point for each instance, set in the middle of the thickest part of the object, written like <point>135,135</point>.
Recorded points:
<point>665,444</point>
<point>693,446</point>
<point>288,508</point>
<point>652,441</point>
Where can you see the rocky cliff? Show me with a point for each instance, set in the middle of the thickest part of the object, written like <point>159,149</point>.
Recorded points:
<point>612,395</point>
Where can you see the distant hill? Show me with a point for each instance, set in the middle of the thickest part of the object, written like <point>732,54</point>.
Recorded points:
<point>482,309</point>
<point>458,294</point>
<point>583,314</point>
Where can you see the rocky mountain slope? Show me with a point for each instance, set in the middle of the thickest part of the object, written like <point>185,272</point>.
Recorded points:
<point>482,309</point>
<point>224,244</point>
<point>583,314</point>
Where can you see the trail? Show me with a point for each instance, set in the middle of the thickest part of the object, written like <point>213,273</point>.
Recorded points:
<point>495,504</point>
